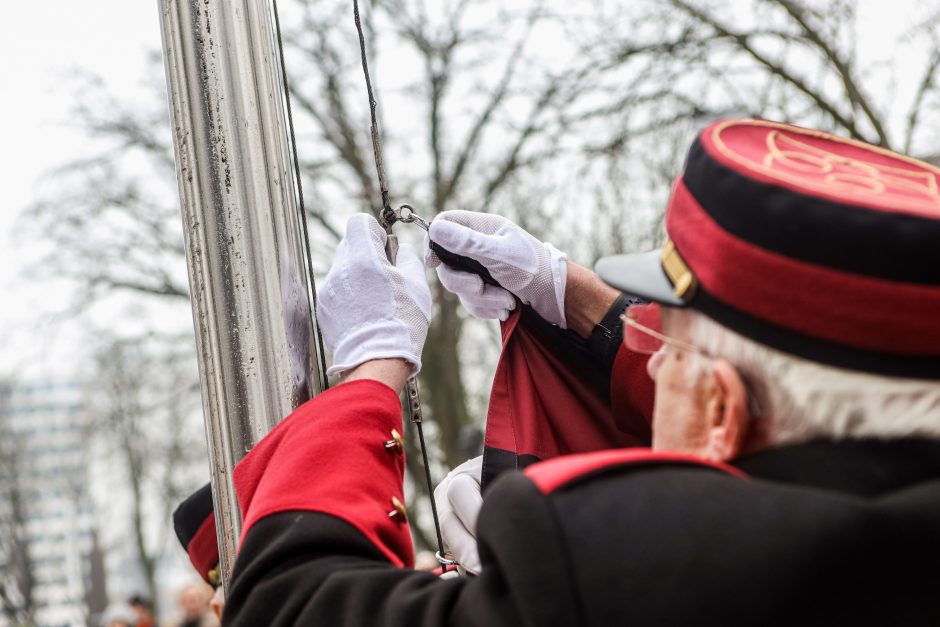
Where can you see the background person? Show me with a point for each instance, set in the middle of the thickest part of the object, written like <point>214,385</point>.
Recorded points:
<point>194,606</point>
<point>143,611</point>
<point>118,615</point>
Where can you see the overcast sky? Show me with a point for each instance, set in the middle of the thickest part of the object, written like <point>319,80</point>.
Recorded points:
<point>42,44</point>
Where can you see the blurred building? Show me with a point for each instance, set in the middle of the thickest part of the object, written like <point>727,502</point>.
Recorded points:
<point>49,560</point>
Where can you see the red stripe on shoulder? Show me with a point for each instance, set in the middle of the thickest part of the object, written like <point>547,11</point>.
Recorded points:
<point>556,473</point>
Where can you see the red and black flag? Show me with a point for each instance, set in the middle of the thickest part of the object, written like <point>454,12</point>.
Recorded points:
<point>554,395</point>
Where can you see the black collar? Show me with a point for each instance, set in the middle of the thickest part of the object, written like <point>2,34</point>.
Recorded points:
<point>865,467</point>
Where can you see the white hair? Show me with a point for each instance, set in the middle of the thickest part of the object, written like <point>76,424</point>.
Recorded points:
<point>802,400</point>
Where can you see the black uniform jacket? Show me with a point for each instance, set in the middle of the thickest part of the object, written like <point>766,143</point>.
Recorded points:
<point>816,534</point>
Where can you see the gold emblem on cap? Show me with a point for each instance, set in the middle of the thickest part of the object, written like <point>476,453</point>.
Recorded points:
<point>682,279</point>
<point>790,159</point>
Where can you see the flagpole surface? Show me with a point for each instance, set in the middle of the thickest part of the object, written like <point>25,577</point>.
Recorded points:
<point>260,354</point>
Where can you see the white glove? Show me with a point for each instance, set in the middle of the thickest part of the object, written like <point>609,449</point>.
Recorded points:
<point>369,309</point>
<point>533,271</point>
<point>458,502</point>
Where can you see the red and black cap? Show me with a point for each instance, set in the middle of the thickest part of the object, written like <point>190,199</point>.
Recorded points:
<point>819,246</point>
<point>194,522</point>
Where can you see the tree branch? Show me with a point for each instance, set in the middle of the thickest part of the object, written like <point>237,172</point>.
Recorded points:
<point>926,83</point>
<point>852,88</point>
<point>471,142</point>
<point>742,41</point>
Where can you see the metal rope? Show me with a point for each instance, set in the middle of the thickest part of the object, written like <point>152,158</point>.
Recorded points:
<point>388,214</point>
<point>300,186</point>
<point>389,217</point>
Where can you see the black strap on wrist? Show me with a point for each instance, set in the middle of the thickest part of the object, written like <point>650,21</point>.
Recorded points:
<point>605,338</point>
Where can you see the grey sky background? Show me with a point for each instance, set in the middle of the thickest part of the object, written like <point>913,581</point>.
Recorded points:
<point>44,45</point>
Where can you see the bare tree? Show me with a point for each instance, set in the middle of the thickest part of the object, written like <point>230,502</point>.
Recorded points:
<point>480,116</point>
<point>800,61</point>
<point>139,409</point>
<point>571,118</point>
<point>17,583</point>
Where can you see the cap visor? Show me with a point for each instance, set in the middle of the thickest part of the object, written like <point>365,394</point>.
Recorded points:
<point>639,275</point>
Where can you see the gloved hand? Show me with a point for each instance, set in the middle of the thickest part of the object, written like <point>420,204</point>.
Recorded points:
<point>368,308</point>
<point>458,502</point>
<point>533,271</point>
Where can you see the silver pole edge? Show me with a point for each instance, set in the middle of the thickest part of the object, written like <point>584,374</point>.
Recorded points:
<point>260,356</point>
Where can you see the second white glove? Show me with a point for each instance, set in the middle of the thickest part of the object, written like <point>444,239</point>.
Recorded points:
<point>534,271</point>
<point>458,500</point>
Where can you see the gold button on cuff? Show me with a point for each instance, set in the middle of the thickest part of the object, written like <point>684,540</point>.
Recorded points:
<point>214,576</point>
<point>399,511</point>
<point>397,442</point>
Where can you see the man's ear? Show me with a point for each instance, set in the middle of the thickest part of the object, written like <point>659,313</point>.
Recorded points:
<point>728,413</point>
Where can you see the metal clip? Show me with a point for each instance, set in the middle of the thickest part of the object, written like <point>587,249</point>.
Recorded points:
<point>406,214</point>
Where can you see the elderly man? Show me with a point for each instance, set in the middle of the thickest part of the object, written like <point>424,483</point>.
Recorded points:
<point>794,476</point>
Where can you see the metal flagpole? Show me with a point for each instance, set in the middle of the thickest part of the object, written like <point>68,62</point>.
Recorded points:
<point>260,354</point>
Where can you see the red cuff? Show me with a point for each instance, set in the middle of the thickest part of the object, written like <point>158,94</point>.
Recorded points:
<point>631,391</point>
<point>330,456</point>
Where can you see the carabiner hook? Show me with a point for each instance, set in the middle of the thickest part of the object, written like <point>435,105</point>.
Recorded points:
<point>406,214</point>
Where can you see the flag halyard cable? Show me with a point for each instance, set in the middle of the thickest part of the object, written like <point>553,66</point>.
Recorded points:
<point>388,214</point>
<point>388,217</point>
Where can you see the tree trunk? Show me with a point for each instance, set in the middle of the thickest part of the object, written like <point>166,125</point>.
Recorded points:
<point>445,394</point>
<point>146,560</point>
